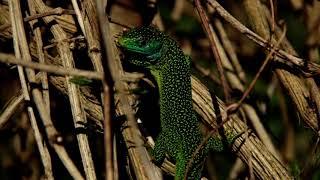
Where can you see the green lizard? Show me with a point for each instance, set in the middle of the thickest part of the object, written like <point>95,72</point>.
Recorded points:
<point>180,134</point>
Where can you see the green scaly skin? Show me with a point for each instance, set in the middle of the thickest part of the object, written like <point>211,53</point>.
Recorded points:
<point>180,134</point>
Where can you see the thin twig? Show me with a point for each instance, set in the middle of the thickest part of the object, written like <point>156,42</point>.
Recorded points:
<point>44,80</point>
<point>51,131</point>
<point>91,27</point>
<point>273,19</point>
<point>234,107</point>
<point>20,50</point>
<point>56,11</point>
<point>10,109</point>
<point>90,23</point>
<point>236,79</point>
<point>70,40</point>
<point>79,16</point>
<point>209,31</point>
<point>108,134</point>
<point>281,55</point>
<point>109,164</point>
<point>78,113</point>
<point>39,44</point>
<point>137,154</point>
<point>297,88</point>
<point>230,51</point>
<point>7,58</point>
<point>293,84</point>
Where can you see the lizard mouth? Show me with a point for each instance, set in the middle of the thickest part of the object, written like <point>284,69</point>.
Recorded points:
<point>142,48</point>
<point>127,44</point>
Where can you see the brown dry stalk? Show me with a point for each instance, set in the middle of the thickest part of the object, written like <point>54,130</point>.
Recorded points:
<point>56,11</point>
<point>280,55</point>
<point>141,161</point>
<point>21,49</point>
<point>208,28</point>
<point>91,29</point>
<point>8,58</point>
<point>293,84</point>
<point>10,109</point>
<point>78,114</point>
<point>234,107</point>
<point>264,164</point>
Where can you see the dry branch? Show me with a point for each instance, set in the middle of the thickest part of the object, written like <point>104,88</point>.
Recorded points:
<point>58,70</point>
<point>207,26</point>
<point>293,84</point>
<point>264,164</point>
<point>78,113</point>
<point>21,49</point>
<point>140,159</point>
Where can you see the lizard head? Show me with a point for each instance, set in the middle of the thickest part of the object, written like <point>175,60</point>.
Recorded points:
<point>143,45</point>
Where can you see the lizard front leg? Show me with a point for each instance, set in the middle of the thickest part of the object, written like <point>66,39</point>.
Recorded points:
<point>216,143</point>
